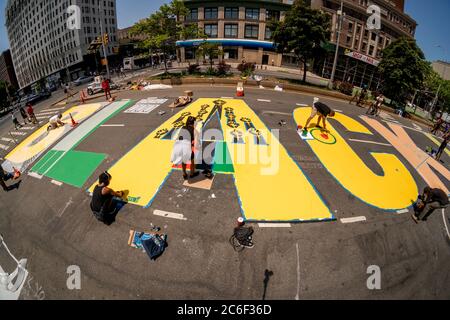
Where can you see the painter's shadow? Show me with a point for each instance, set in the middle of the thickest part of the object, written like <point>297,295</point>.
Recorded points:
<point>120,204</point>
<point>15,186</point>
<point>267,275</point>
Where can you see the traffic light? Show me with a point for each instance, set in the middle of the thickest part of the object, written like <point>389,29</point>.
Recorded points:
<point>105,38</point>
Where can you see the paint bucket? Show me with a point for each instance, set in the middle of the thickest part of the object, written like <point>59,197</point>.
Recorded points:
<point>240,221</point>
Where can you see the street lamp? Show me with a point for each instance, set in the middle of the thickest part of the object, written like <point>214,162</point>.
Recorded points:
<point>341,15</point>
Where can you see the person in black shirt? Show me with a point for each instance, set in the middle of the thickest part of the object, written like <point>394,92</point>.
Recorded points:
<point>103,204</point>
<point>323,111</point>
<point>443,146</point>
<point>431,200</point>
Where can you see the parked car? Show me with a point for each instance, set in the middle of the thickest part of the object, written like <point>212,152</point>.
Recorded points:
<point>35,97</point>
<point>96,87</point>
<point>83,80</point>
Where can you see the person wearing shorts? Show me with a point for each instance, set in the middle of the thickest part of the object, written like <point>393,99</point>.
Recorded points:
<point>55,122</point>
<point>323,111</point>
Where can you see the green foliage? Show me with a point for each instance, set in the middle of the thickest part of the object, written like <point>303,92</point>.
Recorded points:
<point>434,83</point>
<point>194,69</point>
<point>223,69</point>
<point>210,50</point>
<point>302,32</point>
<point>403,69</point>
<point>246,69</point>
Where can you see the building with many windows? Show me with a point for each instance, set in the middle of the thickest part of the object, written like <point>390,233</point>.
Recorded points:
<point>240,28</point>
<point>42,44</point>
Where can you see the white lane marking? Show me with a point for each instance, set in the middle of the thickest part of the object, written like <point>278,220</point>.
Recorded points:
<point>227,98</point>
<point>302,105</point>
<point>113,125</point>
<point>18,133</point>
<point>445,223</point>
<point>402,211</point>
<point>166,214</point>
<point>276,112</point>
<point>42,118</point>
<point>65,207</point>
<point>59,184</point>
<point>34,175</point>
<point>46,113</point>
<point>297,297</point>
<point>274,225</point>
<point>53,110</point>
<point>353,220</point>
<point>416,126</point>
<point>264,100</point>
<point>27,128</point>
<point>338,110</point>
<point>8,140</point>
<point>4,147</point>
<point>371,142</point>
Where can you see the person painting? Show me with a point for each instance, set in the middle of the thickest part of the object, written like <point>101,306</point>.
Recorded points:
<point>55,122</point>
<point>103,205</point>
<point>184,148</point>
<point>431,200</point>
<point>376,105</point>
<point>323,111</point>
<point>107,89</point>
<point>443,146</point>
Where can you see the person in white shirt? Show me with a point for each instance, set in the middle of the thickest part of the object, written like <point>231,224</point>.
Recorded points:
<point>55,122</point>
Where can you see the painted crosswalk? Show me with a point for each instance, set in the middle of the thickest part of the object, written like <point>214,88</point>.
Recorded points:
<point>3,147</point>
<point>18,133</point>
<point>8,140</point>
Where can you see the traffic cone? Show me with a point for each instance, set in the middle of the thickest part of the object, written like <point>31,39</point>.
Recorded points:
<point>240,90</point>
<point>74,123</point>
<point>83,97</point>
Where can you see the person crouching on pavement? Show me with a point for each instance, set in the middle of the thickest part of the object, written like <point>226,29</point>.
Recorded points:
<point>55,122</point>
<point>103,204</point>
<point>431,200</point>
<point>323,111</point>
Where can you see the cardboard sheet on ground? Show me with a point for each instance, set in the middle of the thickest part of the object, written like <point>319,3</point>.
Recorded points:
<point>145,168</point>
<point>394,190</point>
<point>270,185</point>
<point>37,143</point>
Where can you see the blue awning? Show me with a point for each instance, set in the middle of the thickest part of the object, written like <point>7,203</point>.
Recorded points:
<point>228,43</point>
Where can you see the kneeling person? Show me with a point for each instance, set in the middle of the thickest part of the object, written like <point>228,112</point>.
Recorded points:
<point>55,122</point>
<point>103,204</point>
<point>431,200</point>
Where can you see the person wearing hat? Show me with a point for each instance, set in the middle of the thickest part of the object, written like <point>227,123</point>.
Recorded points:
<point>103,204</point>
<point>323,111</point>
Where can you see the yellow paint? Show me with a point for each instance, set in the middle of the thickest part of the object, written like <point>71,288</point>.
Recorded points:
<point>270,185</point>
<point>33,146</point>
<point>394,190</point>
<point>144,169</point>
<point>421,161</point>
<point>436,141</point>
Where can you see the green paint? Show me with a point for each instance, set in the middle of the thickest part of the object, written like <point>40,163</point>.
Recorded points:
<point>47,161</point>
<point>222,159</point>
<point>75,167</point>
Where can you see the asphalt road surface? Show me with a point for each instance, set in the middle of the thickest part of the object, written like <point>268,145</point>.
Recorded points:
<point>53,228</point>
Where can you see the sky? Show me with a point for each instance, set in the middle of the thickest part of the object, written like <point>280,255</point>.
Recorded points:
<point>431,15</point>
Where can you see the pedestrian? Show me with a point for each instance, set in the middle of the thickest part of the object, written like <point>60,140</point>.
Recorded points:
<point>184,149</point>
<point>443,146</point>
<point>24,115</point>
<point>55,122</point>
<point>362,97</point>
<point>31,114</point>
<point>67,91</point>
<point>437,126</point>
<point>323,111</point>
<point>5,176</point>
<point>429,201</point>
<point>103,205</point>
<point>106,88</point>
<point>122,72</point>
<point>374,108</point>
<point>17,125</point>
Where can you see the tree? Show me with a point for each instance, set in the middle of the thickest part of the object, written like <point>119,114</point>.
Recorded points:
<point>302,32</point>
<point>434,83</point>
<point>210,50</point>
<point>403,69</point>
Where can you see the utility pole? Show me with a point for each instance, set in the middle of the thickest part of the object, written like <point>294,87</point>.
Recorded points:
<point>103,41</point>
<point>340,14</point>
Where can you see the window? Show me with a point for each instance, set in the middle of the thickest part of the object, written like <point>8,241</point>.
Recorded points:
<point>232,13</point>
<point>211,13</point>
<point>268,35</point>
<point>191,16</point>
<point>371,49</point>
<point>272,15</point>
<point>231,31</point>
<point>374,37</point>
<point>251,31</point>
<point>211,30</point>
<point>251,14</point>
<point>230,53</point>
<point>350,27</point>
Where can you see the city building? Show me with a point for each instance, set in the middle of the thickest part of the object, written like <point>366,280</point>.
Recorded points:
<point>7,72</point>
<point>360,48</point>
<point>44,47</point>
<point>442,68</point>
<point>240,28</point>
